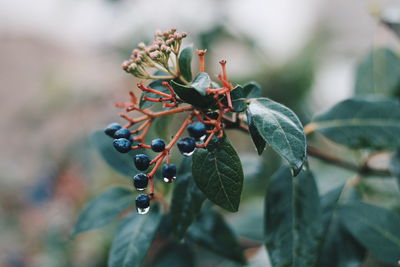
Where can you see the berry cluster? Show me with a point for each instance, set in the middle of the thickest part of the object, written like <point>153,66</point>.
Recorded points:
<point>202,125</point>
<point>123,142</point>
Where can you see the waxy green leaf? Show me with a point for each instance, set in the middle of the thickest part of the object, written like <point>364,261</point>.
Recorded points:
<point>218,173</point>
<point>185,60</point>
<point>375,228</point>
<point>252,90</point>
<point>122,163</point>
<point>132,240</point>
<point>258,140</point>
<point>212,232</point>
<point>362,123</point>
<point>201,82</point>
<point>192,96</point>
<point>394,166</point>
<point>187,199</point>
<point>104,208</point>
<point>280,128</point>
<point>291,226</point>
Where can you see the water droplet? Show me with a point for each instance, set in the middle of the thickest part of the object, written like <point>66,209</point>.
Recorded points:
<point>143,210</point>
<point>188,154</point>
<point>140,189</point>
<point>202,138</point>
<point>169,180</point>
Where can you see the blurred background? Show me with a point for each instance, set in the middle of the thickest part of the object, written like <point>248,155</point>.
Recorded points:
<point>60,75</point>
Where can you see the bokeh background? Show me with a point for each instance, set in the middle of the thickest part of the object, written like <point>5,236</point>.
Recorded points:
<point>60,75</point>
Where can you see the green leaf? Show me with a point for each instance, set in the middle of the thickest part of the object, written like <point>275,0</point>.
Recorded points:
<point>103,209</point>
<point>338,247</point>
<point>201,82</point>
<point>161,127</point>
<point>132,240</point>
<point>379,73</point>
<point>212,232</point>
<point>258,140</point>
<point>187,199</point>
<point>362,123</point>
<point>280,128</point>
<point>219,175</point>
<point>175,255</point>
<point>291,219</point>
<point>121,162</point>
<point>185,60</point>
<point>156,85</point>
<point>394,165</point>
<point>375,228</point>
<point>193,97</point>
<point>252,90</point>
<point>238,99</point>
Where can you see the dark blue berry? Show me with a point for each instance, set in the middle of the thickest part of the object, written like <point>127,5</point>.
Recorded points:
<point>197,129</point>
<point>142,201</point>
<point>186,145</point>
<point>158,145</point>
<point>123,145</point>
<point>122,133</point>
<point>140,181</point>
<point>111,129</point>
<point>142,162</point>
<point>169,172</point>
<point>212,115</point>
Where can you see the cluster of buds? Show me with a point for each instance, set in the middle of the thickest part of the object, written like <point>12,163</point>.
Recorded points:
<point>202,125</point>
<point>157,55</point>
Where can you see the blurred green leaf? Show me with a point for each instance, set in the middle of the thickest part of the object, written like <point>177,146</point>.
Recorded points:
<point>161,127</point>
<point>375,228</point>
<point>132,240</point>
<point>156,85</point>
<point>191,96</point>
<point>362,123</point>
<point>185,60</point>
<point>187,199</point>
<point>103,209</point>
<point>201,82</point>
<point>395,165</point>
<point>218,173</point>
<point>337,246</point>
<point>281,129</point>
<point>378,73</point>
<point>252,90</point>
<point>212,232</point>
<point>291,219</point>
<point>121,162</point>
<point>175,255</point>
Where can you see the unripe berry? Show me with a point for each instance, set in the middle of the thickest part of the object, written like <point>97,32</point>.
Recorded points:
<point>186,145</point>
<point>123,145</point>
<point>197,130</point>
<point>140,181</point>
<point>142,162</point>
<point>122,133</point>
<point>158,145</point>
<point>111,129</point>
<point>142,204</point>
<point>169,172</point>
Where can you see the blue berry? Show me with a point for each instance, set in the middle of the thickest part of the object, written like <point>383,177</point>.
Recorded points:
<point>111,129</point>
<point>142,204</point>
<point>158,145</point>
<point>122,133</point>
<point>186,145</point>
<point>123,145</point>
<point>197,130</point>
<point>169,172</point>
<point>140,181</point>
<point>212,115</point>
<point>142,162</point>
